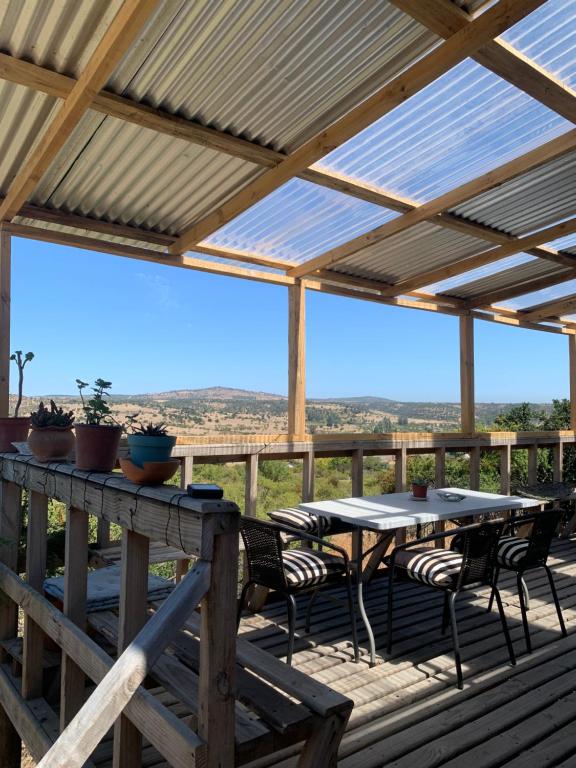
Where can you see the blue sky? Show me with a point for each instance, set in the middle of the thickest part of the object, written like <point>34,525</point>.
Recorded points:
<point>149,328</point>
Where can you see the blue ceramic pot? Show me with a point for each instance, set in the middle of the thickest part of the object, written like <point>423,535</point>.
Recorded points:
<point>145,448</point>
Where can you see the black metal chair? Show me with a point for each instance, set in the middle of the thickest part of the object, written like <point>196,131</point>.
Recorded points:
<point>306,522</point>
<point>451,571</point>
<point>295,570</point>
<point>525,553</point>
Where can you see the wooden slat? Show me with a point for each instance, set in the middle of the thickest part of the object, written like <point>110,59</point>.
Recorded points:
<point>444,18</point>
<point>5,290</point>
<point>72,683</point>
<point>492,23</point>
<point>297,360</point>
<point>467,399</point>
<point>36,543</point>
<point>122,31</point>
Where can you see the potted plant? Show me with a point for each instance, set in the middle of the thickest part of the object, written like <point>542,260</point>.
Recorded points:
<point>14,429</point>
<point>51,438</point>
<point>97,440</point>
<point>419,488</point>
<point>149,442</point>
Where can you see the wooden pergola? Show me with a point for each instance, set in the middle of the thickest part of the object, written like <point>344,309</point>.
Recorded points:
<point>78,114</point>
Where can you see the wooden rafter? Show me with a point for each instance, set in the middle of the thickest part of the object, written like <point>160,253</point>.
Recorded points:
<point>462,44</point>
<point>550,309</point>
<point>490,256</point>
<point>122,31</point>
<point>487,181</point>
<point>518,289</point>
<point>444,18</point>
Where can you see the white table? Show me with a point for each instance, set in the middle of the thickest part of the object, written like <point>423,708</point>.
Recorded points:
<point>400,510</point>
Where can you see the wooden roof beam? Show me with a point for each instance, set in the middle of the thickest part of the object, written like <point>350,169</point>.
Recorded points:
<point>550,309</point>
<point>427,211</point>
<point>420,74</point>
<point>518,289</point>
<point>123,29</point>
<point>444,18</point>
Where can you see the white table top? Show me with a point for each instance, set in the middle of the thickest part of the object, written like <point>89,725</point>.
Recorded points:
<point>399,510</point>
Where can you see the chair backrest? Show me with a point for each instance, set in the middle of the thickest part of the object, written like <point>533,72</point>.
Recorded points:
<point>263,547</point>
<point>479,547</point>
<point>543,531</point>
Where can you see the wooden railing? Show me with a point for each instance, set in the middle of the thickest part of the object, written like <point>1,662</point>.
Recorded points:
<point>250,449</point>
<point>207,530</point>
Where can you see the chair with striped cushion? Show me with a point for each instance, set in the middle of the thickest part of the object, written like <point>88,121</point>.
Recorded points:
<point>306,522</point>
<point>450,571</point>
<point>291,571</point>
<point>525,553</point>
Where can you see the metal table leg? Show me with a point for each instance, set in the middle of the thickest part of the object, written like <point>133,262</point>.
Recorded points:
<point>358,547</point>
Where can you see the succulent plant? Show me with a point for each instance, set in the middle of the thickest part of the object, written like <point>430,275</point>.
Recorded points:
<point>150,430</point>
<point>52,417</point>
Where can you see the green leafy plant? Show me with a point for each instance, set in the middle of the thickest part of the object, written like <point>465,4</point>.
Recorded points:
<point>20,364</point>
<point>150,430</point>
<point>96,409</point>
<point>51,417</point>
<point>420,481</point>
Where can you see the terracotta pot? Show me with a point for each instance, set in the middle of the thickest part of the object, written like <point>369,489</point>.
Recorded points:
<point>152,473</point>
<point>51,443</point>
<point>419,491</point>
<point>97,446</point>
<point>13,430</point>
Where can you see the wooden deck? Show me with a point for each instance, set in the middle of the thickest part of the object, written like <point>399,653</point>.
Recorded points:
<point>408,711</point>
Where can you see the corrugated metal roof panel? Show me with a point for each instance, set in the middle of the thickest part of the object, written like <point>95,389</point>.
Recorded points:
<point>453,284</point>
<point>273,71</point>
<point>462,125</point>
<point>548,36</point>
<point>409,253</point>
<point>529,202</point>
<point>299,221</point>
<point>540,297</point>
<point>120,172</point>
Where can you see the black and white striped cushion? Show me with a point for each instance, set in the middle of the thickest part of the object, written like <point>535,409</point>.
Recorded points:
<point>302,521</point>
<point>307,567</point>
<point>436,567</point>
<point>512,550</point>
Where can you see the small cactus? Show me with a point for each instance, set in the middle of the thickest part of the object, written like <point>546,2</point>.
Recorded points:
<point>52,417</point>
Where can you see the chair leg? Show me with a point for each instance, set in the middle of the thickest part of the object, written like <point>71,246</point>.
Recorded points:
<point>526,593</point>
<point>352,617</point>
<point>456,642</point>
<point>523,611</point>
<point>445,614</point>
<point>496,577</point>
<point>309,609</point>
<point>496,593</point>
<point>291,603</point>
<point>556,601</point>
<point>390,611</point>
<point>241,601</point>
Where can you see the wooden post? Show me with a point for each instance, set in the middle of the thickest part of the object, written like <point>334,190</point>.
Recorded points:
<point>10,525</point>
<point>5,268</point>
<point>572,370</point>
<point>72,685</point>
<point>440,482</point>
<point>400,485</point>
<point>297,360</point>
<point>505,469</point>
<point>475,468</point>
<point>133,599</point>
<point>358,472</point>
<point>217,686</point>
<point>557,462</point>
<point>103,532</point>
<point>251,485</point>
<point>32,669</point>
<point>186,477</point>
<point>308,476</point>
<point>467,373</point>
<point>532,464</point>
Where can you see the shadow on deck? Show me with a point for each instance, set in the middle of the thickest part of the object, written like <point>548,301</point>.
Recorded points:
<point>408,711</point>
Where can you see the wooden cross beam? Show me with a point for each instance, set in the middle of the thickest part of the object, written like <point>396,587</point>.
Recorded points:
<point>550,309</point>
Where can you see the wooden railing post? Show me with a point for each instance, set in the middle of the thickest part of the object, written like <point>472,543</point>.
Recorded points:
<point>10,526</point>
<point>505,469</point>
<point>251,485</point>
<point>400,467</point>
<point>475,468</point>
<point>557,462</point>
<point>217,686</point>
<point>32,668</point>
<point>5,290</point>
<point>440,482</point>
<point>186,477</point>
<point>358,472</point>
<point>72,685</point>
<point>308,476</point>
<point>532,464</point>
<point>133,600</point>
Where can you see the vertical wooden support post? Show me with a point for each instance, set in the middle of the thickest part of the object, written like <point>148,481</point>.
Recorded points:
<point>505,469</point>
<point>251,485</point>
<point>400,485</point>
<point>186,477</point>
<point>308,476</point>
<point>72,682</point>
<point>358,472</point>
<point>557,462</point>
<point>5,270</point>
<point>32,667</point>
<point>532,464</point>
<point>440,482</point>
<point>217,686</point>
<point>10,525</point>
<point>467,373</point>
<point>475,468</point>
<point>297,360</point>
<point>133,599</point>
<point>103,533</point>
<point>572,373</point>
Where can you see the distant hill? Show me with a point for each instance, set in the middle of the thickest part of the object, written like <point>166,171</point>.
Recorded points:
<point>207,393</point>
